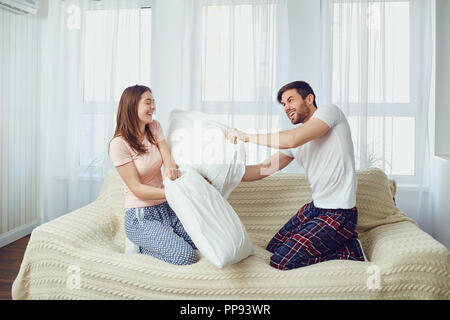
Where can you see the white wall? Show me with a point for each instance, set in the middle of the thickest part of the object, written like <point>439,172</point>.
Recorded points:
<point>442,129</point>
<point>441,200</point>
<point>304,19</point>
<point>440,116</point>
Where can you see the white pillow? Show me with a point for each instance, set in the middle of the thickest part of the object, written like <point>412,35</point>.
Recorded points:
<point>200,142</point>
<point>208,218</point>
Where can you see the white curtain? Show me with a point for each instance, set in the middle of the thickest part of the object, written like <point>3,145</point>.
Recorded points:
<point>422,27</point>
<point>376,63</point>
<point>18,126</point>
<point>90,51</point>
<point>235,58</point>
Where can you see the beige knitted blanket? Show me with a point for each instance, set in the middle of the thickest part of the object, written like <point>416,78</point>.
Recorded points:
<point>80,255</point>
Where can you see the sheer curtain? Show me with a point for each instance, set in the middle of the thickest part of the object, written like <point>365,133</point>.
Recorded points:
<point>226,58</point>
<point>19,203</point>
<point>376,63</point>
<point>90,51</point>
<point>235,57</point>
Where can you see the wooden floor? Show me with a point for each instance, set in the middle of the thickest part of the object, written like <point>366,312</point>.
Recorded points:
<point>10,260</point>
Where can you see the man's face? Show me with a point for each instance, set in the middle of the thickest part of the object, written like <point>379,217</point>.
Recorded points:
<point>294,106</point>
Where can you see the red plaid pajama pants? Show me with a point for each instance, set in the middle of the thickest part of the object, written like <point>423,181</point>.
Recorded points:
<point>315,235</point>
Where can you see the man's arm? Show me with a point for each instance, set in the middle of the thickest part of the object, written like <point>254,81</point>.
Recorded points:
<point>170,167</point>
<point>312,129</point>
<point>268,167</point>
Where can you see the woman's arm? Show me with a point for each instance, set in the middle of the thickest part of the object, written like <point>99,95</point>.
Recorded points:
<point>170,167</point>
<point>130,176</point>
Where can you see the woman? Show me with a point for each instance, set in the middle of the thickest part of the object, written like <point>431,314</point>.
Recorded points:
<point>138,150</point>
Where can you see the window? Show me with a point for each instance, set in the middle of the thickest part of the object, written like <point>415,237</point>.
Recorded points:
<point>390,143</point>
<point>112,63</point>
<point>232,53</point>
<point>238,64</point>
<point>387,47</point>
<point>372,67</point>
<point>132,50</point>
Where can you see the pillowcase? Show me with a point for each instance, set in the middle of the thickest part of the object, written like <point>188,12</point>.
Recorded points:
<point>208,218</point>
<point>199,142</point>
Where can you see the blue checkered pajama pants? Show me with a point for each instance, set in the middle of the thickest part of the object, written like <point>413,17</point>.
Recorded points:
<point>315,235</point>
<point>159,233</point>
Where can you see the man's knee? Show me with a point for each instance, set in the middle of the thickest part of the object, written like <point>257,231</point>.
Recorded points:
<point>276,261</point>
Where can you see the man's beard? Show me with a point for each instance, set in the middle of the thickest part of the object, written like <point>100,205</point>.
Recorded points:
<point>302,115</point>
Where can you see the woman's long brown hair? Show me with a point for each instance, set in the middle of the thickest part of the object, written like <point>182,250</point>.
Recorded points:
<point>127,121</point>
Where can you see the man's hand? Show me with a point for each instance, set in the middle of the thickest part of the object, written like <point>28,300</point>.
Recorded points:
<point>234,134</point>
<point>171,172</point>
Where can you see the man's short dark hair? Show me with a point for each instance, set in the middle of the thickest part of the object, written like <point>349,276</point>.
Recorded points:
<point>302,87</point>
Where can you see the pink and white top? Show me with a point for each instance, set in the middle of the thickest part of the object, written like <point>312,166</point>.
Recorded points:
<point>148,165</point>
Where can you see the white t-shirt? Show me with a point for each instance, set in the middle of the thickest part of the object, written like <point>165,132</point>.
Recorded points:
<point>329,162</point>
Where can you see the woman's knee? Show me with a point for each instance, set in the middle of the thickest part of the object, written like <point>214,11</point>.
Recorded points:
<point>185,258</point>
<point>131,232</point>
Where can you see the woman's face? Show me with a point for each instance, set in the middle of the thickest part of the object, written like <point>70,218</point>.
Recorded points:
<point>146,108</point>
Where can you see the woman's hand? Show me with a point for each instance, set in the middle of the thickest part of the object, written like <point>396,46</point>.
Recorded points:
<point>172,172</point>
<point>208,180</point>
<point>234,134</point>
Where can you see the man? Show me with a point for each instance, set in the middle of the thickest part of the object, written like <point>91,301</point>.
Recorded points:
<point>325,228</point>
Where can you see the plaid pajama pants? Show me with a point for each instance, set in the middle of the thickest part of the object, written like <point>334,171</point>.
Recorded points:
<point>315,235</point>
<point>159,233</point>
